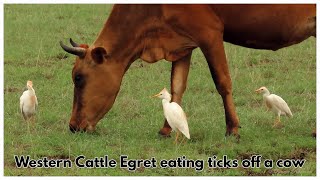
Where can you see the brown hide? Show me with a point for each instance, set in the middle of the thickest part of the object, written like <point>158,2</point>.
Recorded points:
<point>171,32</point>
<point>267,26</point>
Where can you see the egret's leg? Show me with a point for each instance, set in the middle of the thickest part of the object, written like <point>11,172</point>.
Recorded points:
<point>184,140</point>
<point>179,75</point>
<point>24,116</point>
<point>33,119</point>
<point>277,122</point>
<point>177,136</point>
<point>29,117</point>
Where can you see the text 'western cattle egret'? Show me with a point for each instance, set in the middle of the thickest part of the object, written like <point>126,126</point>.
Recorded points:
<point>28,102</point>
<point>174,114</point>
<point>275,103</point>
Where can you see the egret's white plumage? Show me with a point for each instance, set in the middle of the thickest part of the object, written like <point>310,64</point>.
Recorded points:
<point>174,114</point>
<point>28,102</point>
<point>275,103</point>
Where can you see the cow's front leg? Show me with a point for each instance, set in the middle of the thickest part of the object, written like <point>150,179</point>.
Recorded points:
<point>207,33</point>
<point>214,52</point>
<point>179,76</point>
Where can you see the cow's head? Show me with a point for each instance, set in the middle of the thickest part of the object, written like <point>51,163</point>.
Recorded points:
<point>96,80</point>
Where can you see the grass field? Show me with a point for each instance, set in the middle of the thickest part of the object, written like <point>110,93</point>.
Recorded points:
<point>31,41</point>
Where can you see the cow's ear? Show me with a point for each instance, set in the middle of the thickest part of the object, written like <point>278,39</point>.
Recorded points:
<point>98,54</point>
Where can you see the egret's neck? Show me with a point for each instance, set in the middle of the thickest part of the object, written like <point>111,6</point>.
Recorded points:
<point>165,101</point>
<point>266,93</point>
<point>168,97</point>
<point>31,92</point>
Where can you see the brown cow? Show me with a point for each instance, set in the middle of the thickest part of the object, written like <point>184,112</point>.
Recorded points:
<point>171,32</point>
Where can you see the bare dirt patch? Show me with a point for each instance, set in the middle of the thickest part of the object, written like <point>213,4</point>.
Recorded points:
<point>11,90</point>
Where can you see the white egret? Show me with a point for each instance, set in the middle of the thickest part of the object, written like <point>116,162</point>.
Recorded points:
<point>275,103</point>
<point>28,102</point>
<point>174,114</point>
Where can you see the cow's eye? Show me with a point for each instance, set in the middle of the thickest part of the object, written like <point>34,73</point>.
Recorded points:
<point>78,80</point>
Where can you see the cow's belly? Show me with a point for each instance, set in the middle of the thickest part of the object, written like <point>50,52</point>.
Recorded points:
<point>266,26</point>
<point>256,42</point>
<point>271,38</point>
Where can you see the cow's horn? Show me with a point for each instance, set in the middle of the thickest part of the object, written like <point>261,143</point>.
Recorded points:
<point>73,43</point>
<point>74,50</point>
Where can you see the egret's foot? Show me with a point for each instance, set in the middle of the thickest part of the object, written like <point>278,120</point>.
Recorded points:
<point>176,142</point>
<point>165,132</point>
<point>31,121</point>
<point>184,140</point>
<point>278,125</point>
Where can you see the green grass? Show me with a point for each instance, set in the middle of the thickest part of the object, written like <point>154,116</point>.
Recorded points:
<point>31,36</point>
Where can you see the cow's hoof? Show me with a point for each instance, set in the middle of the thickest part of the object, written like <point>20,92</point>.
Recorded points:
<point>233,132</point>
<point>165,132</point>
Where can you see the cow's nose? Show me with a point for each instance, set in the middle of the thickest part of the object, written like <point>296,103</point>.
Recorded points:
<point>72,129</point>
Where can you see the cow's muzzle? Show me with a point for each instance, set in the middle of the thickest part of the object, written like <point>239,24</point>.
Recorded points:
<point>76,129</point>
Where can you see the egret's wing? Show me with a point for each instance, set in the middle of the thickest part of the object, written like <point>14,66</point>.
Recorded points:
<point>36,99</point>
<point>24,116</point>
<point>178,118</point>
<point>22,99</point>
<point>21,110</point>
<point>21,106</point>
<point>21,103</point>
<point>279,103</point>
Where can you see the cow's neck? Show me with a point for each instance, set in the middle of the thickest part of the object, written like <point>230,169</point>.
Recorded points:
<point>122,32</point>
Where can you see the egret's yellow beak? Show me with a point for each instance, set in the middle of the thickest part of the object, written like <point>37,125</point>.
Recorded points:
<point>29,83</point>
<point>257,91</point>
<point>156,95</point>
